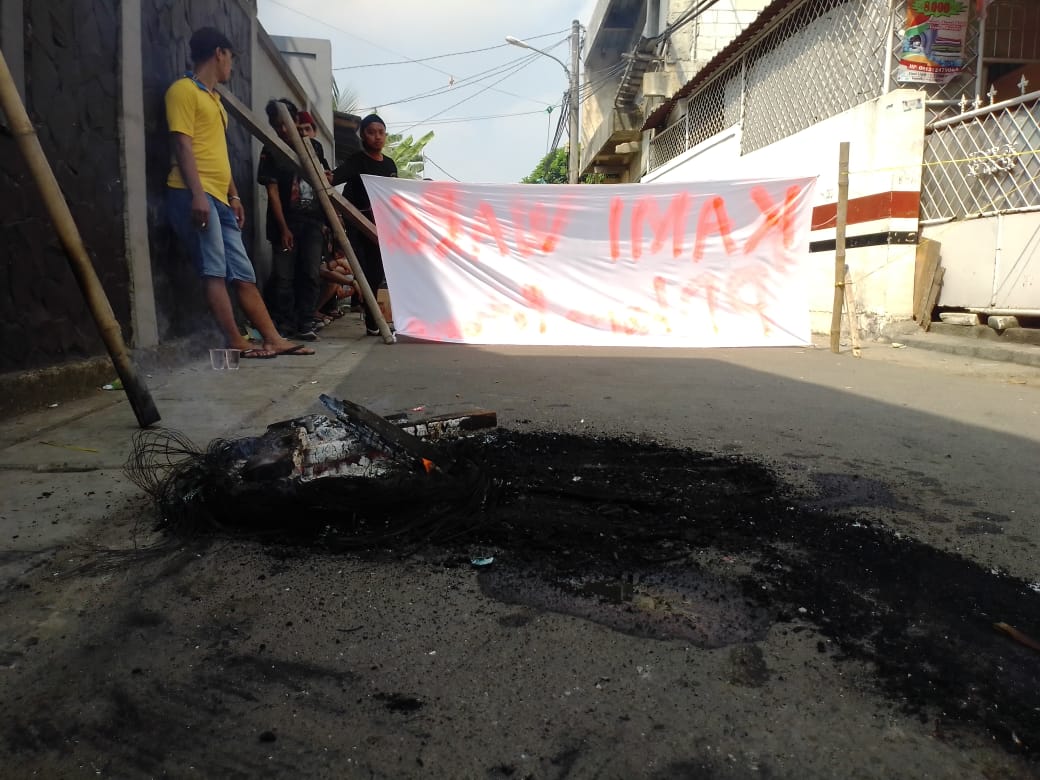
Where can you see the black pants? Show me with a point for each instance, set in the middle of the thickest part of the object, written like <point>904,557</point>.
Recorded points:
<point>371,262</point>
<point>295,276</point>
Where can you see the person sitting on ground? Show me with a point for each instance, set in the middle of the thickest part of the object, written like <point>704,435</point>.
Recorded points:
<point>339,284</point>
<point>370,160</point>
<point>204,207</point>
<point>295,221</point>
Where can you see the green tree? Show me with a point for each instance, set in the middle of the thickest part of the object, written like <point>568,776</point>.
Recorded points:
<point>408,154</point>
<point>553,169</point>
<point>344,101</point>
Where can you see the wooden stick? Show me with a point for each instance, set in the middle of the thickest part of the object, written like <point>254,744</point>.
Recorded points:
<point>839,245</point>
<point>68,233</point>
<point>850,312</point>
<point>266,135</point>
<point>316,176</point>
<point>1017,635</point>
<point>927,265</point>
<point>932,298</point>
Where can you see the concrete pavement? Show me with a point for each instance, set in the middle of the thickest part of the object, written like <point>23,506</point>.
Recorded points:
<point>50,453</point>
<point>236,660</point>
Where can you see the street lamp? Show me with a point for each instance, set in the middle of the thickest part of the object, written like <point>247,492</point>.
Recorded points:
<point>572,87</point>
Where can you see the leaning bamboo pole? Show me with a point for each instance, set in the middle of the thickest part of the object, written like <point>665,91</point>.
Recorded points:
<point>316,177</point>
<point>58,209</point>
<point>839,245</point>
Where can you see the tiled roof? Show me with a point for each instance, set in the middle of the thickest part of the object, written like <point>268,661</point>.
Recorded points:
<point>660,115</point>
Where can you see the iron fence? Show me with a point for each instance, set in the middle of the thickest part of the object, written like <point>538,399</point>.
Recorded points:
<point>983,162</point>
<point>820,59</point>
<point>708,112</point>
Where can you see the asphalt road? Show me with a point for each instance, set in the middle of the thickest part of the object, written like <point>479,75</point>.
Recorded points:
<point>238,659</point>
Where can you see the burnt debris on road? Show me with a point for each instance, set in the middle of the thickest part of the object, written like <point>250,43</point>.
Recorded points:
<point>647,539</point>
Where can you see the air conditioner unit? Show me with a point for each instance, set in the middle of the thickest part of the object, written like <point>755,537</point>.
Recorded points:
<point>656,84</point>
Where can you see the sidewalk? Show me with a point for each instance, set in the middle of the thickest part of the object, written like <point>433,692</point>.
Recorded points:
<point>65,463</point>
<point>1019,345</point>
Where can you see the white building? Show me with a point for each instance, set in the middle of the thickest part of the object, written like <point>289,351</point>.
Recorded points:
<point>954,162</point>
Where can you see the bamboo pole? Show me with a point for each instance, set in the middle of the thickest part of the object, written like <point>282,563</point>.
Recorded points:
<point>262,132</point>
<point>839,245</point>
<point>850,312</point>
<point>316,176</point>
<point>58,209</point>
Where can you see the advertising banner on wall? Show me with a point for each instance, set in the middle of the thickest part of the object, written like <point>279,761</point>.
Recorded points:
<point>707,264</point>
<point>934,41</point>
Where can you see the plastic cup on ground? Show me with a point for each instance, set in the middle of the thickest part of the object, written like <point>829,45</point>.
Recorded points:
<point>218,359</point>
<point>233,356</point>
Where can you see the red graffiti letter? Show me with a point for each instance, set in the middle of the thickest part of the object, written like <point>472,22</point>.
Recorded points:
<point>490,227</point>
<point>781,216</point>
<point>617,208</point>
<point>675,215</point>
<point>441,202</point>
<point>713,219</point>
<point>660,283</point>
<point>411,234</point>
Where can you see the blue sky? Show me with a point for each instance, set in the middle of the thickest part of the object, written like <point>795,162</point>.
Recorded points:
<point>505,126</point>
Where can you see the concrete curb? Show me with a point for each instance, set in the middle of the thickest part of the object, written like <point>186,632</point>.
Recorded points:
<point>1025,354</point>
<point>95,430</point>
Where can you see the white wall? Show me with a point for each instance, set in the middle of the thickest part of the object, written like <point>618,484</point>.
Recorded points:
<point>716,28</point>
<point>310,60</point>
<point>992,262</point>
<point>886,138</point>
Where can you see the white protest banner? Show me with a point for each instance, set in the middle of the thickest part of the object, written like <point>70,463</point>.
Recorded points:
<point>706,264</point>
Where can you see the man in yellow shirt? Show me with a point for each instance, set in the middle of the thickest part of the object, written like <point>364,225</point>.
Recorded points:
<point>203,203</point>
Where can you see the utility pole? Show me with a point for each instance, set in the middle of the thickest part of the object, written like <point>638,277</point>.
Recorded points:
<point>575,101</point>
<point>573,79</point>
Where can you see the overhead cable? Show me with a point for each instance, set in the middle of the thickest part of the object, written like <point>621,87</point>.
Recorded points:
<point>515,70</point>
<point>457,119</point>
<point>475,78</point>
<point>427,158</point>
<point>443,56</point>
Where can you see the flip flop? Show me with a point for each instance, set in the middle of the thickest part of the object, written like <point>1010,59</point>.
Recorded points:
<point>257,354</point>
<point>296,349</point>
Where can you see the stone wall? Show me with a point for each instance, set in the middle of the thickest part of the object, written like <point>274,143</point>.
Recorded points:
<point>72,88</point>
<point>167,26</point>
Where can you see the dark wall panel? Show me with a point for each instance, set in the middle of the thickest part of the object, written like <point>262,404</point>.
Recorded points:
<point>167,28</point>
<point>72,94</point>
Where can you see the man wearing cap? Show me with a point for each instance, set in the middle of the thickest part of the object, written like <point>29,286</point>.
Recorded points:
<point>372,161</point>
<point>295,228</point>
<point>204,207</point>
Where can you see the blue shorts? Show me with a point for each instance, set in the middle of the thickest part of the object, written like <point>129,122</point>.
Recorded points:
<point>217,250</point>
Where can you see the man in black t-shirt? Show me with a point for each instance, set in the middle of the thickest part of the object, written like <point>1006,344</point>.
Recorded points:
<point>294,228</point>
<point>370,160</point>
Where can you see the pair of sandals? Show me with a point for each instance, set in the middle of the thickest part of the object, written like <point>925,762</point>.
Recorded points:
<point>327,316</point>
<point>259,353</point>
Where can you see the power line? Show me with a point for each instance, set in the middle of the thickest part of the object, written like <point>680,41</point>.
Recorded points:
<point>688,16</point>
<point>325,24</point>
<point>468,81</point>
<point>475,78</point>
<point>442,56</point>
<point>427,158</point>
<point>586,89</point>
<point>454,120</point>
<point>515,70</point>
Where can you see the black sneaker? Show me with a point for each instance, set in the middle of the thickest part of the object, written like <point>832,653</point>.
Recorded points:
<point>306,334</point>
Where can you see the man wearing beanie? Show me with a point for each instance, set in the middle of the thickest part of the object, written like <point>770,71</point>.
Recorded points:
<point>372,161</point>
<point>204,207</point>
